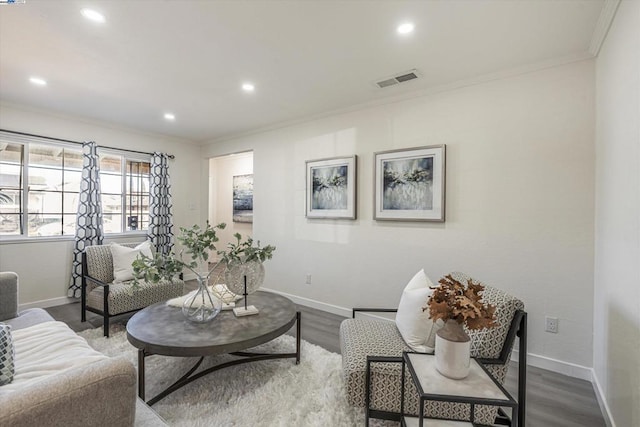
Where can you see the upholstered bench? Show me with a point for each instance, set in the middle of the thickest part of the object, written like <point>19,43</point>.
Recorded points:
<point>365,337</point>
<point>102,295</point>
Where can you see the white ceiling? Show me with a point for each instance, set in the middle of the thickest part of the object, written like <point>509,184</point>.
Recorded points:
<point>305,57</point>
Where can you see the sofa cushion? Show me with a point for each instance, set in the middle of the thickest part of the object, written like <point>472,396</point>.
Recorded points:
<point>417,330</point>
<point>98,394</point>
<point>28,317</point>
<point>124,256</point>
<point>6,355</point>
<point>47,349</point>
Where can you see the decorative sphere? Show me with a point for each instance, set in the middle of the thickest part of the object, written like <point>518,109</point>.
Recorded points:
<point>234,276</point>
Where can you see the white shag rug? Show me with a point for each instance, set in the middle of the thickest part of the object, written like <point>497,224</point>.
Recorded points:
<point>266,393</point>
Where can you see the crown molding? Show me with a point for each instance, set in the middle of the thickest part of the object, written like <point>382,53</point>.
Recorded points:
<point>605,19</point>
<point>93,122</point>
<point>477,80</point>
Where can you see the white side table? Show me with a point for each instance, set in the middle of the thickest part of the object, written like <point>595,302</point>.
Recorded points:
<point>479,388</point>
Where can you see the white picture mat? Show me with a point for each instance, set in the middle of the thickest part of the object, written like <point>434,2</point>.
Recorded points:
<point>348,213</point>
<point>436,213</point>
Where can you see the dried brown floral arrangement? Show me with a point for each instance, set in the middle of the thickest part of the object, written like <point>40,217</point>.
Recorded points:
<point>455,301</point>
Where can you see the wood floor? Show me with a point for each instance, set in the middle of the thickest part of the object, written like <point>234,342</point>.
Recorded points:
<point>552,399</point>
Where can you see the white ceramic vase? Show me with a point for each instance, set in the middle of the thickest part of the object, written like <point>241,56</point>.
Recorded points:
<point>453,351</point>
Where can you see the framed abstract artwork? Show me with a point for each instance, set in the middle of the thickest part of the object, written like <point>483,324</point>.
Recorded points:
<point>409,184</point>
<point>331,188</point>
<point>243,198</point>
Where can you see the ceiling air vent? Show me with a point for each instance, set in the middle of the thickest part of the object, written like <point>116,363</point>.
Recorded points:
<point>400,78</point>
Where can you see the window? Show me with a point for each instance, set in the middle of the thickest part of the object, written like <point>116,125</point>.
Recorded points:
<point>40,185</point>
<point>137,195</point>
<point>53,186</point>
<point>11,208</point>
<point>125,196</point>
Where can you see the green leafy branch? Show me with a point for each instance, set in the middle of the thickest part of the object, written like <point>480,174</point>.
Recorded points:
<point>246,251</point>
<point>197,243</point>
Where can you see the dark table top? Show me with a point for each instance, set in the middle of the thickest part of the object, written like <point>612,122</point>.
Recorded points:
<point>161,329</point>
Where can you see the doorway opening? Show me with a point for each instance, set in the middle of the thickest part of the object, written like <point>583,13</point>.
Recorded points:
<point>231,195</point>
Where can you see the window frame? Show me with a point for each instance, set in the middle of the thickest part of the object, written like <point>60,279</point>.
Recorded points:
<point>25,141</point>
<point>125,157</point>
<point>26,168</point>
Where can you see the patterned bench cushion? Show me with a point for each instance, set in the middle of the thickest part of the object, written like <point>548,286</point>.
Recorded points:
<point>123,298</point>
<point>360,338</point>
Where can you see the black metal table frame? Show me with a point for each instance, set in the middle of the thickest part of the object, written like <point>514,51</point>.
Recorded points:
<point>189,376</point>
<point>472,401</point>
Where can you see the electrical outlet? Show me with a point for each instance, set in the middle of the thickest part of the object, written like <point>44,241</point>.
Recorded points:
<point>308,282</point>
<point>551,324</point>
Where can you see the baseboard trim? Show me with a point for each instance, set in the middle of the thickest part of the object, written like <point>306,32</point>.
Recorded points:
<point>602,402</point>
<point>543,362</point>
<point>45,303</point>
<point>307,302</point>
<point>329,308</point>
<point>555,365</point>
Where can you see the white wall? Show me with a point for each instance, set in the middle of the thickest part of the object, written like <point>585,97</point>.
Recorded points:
<point>520,196</point>
<point>221,173</point>
<point>617,236</point>
<point>44,267</point>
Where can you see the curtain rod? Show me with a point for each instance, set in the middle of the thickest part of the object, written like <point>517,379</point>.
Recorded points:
<point>171,156</point>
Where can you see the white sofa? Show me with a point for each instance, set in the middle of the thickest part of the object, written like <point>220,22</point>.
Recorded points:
<point>59,379</point>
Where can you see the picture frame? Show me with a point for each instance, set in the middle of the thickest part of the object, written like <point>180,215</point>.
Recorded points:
<point>410,184</point>
<point>243,198</point>
<point>331,188</point>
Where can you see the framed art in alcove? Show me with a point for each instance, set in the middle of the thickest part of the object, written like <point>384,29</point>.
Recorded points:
<point>331,188</point>
<point>409,184</point>
<point>243,198</point>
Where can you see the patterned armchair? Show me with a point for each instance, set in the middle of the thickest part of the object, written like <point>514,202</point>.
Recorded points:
<point>380,343</point>
<point>101,295</point>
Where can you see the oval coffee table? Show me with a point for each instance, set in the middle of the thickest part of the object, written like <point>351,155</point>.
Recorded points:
<point>162,330</point>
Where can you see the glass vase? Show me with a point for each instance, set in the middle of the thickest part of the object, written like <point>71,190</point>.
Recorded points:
<point>203,306</point>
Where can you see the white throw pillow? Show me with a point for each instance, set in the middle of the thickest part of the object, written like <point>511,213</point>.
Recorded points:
<point>123,257</point>
<point>417,330</point>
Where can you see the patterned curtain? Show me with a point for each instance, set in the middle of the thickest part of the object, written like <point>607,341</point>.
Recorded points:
<point>89,219</point>
<point>160,217</point>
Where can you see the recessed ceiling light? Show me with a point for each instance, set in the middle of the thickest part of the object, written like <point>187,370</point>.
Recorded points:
<point>38,81</point>
<point>93,15</point>
<point>405,28</point>
<point>248,87</point>
<point>169,116</point>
